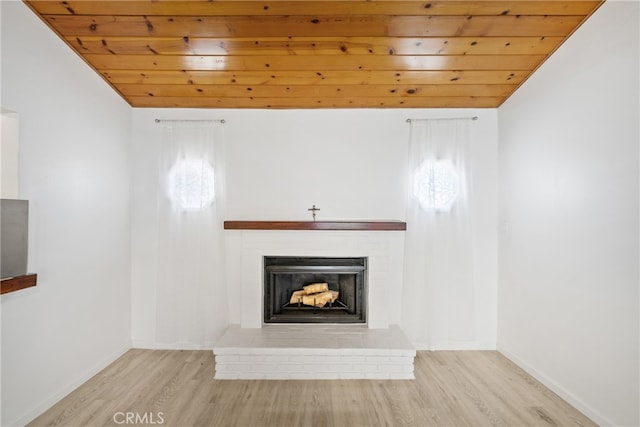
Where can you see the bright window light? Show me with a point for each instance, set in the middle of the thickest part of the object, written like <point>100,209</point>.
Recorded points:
<point>191,184</point>
<point>436,185</point>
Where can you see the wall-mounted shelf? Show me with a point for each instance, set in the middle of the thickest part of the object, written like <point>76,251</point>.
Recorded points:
<point>13,284</point>
<point>317,225</point>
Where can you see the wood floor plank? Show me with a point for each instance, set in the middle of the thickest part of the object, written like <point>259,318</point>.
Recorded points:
<point>468,388</point>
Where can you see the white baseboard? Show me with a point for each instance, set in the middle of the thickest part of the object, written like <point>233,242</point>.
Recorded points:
<point>68,388</point>
<point>557,388</point>
<point>455,346</point>
<point>208,345</point>
<point>143,344</point>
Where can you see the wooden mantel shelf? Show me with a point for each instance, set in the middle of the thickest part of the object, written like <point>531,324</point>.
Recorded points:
<point>317,225</point>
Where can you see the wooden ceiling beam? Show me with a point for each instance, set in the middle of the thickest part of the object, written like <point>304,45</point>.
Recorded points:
<point>309,91</point>
<point>306,26</point>
<point>368,78</point>
<point>285,46</point>
<point>317,8</point>
<point>337,102</point>
<point>314,63</point>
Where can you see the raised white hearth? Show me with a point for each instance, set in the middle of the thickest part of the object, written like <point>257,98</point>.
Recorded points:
<point>314,352</point>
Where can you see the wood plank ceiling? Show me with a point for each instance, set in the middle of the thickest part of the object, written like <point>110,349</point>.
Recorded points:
<point>314,54</point>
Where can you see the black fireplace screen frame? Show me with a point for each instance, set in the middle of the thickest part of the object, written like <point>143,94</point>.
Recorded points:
<point>283,275</point>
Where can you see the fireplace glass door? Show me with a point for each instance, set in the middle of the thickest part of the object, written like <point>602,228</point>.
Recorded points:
<point>314,290</point>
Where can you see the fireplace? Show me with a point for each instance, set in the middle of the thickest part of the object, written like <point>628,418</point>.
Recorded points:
<point>294,287</point>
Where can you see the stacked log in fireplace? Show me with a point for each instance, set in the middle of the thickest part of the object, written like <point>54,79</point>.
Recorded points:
<point>315,295</point>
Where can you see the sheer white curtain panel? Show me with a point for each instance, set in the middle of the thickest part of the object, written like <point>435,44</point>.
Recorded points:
<point>438,269</point>
<point>191,293</point>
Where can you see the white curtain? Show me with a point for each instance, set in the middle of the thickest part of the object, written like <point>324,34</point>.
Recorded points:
<point>438,272</point>
<point>191,295</point>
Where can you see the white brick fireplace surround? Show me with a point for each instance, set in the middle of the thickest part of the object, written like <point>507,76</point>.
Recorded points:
<point>251,350</point>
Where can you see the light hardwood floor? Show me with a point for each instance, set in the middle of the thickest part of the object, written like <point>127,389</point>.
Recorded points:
<point>175,388</point>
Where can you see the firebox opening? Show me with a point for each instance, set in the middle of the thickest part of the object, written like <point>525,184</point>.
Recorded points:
<point>314,290</point>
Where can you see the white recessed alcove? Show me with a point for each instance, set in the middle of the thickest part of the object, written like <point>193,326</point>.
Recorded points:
<point>9,149</point>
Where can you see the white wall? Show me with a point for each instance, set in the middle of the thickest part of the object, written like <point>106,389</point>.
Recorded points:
<point>568,289</point>
<point>74,170</point>
<point>350,163</point>
<point>568,300</point>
